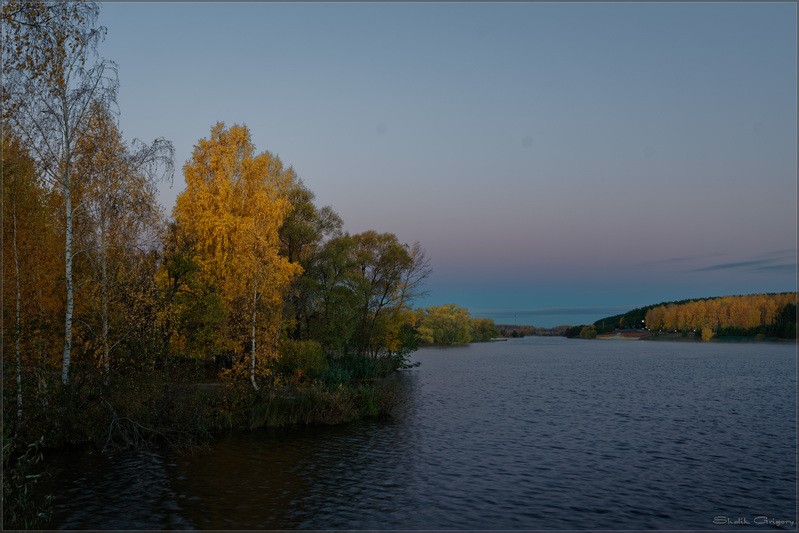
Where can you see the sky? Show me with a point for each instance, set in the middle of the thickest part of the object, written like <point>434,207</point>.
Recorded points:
<point>559,162</point>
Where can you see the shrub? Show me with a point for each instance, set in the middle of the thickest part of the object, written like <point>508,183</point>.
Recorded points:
<point>360,367</point>
<point>302,360</point>
<point>21,509</point>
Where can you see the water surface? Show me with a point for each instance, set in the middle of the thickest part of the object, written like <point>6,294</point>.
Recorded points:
<point>534,433</point>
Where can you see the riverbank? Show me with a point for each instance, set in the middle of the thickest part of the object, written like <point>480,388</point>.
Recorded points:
<point>690,337</point>
<point>625,335</point>
<point>142,410</point>
<point>679,337</point>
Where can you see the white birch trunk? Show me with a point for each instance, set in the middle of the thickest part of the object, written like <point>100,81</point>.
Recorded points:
<point>17,322</point>
<point>252,348</point>
<point>67,189</point>
<point>104,298</point>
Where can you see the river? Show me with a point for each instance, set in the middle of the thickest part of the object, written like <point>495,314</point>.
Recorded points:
<point>528,434</point>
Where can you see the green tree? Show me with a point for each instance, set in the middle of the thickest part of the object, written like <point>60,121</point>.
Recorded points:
<point>387,276</point>
<point>302,235</point>
<point>444,325</point>
<point>193,318</point>
<point>483,329</point>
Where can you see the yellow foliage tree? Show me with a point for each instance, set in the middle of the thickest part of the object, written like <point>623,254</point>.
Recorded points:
<point>232,209</point>
<point>30,286</point>
<point>444,324</point>
<point>117,189</point>
<point>746,312</point>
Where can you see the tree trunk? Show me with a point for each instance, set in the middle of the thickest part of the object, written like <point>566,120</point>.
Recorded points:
<point>104,298</point>
<point>67,189</point>
<point>252,348</point>
<point>17,322</point>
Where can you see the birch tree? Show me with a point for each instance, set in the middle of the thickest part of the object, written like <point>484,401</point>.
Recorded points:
<point>119,188</point>
<point>48,95</point>
<point>232,209</point>
<point>17,170</point>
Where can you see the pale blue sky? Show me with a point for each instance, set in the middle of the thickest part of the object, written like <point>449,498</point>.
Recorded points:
<point>558,161</point>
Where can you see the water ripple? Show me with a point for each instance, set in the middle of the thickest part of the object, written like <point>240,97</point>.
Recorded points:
<point>527,434</point>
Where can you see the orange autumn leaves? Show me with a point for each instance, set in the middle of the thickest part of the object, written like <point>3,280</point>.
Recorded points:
<point>232,209</point>
<point>744,312</point>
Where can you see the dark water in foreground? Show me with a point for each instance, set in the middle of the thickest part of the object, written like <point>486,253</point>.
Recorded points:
<point>532,433</point>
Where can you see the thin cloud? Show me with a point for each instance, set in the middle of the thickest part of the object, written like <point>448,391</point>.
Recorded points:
<point>773,261</point>
<point>778,268</point>
<point>767,262</point>
<point>735,265</point>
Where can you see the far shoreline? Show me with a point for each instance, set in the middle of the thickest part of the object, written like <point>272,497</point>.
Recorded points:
<point>679,337</point>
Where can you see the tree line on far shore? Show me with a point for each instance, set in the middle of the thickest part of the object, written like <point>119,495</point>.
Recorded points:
<point>764,315</point>
<point>772,315</point>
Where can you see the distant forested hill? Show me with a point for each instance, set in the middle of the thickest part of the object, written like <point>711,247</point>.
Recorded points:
<point>772,314</point>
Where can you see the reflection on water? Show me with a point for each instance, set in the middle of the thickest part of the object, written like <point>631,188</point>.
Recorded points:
<point>532,433</point>
<point>115,491</point>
